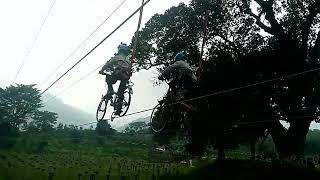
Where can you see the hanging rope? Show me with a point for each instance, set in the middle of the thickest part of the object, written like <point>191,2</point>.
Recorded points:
<point>136,38</point>
<point>205,33</point>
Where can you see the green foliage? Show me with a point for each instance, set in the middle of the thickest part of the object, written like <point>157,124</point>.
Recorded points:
<point>165,35</point>
<point>65,166</point>
<point>244,48</point>
<point>136,127</point>
<point>20,103</point>
<point>43,121</point>
<point>8,135</point>
<point>313,142</point>
<point>104,128</point>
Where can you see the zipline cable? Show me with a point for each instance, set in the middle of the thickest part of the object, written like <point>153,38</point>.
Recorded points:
<point>227,91</point>
<point>33,42</point>
<point>83,42</point>
<point>94,48</point>
<point>132,57</point>
<point>65,89</point>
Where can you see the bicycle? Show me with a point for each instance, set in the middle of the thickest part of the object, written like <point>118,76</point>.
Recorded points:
<point>113,99</point>
<point>168,110</point>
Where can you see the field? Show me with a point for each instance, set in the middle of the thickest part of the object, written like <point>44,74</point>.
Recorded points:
<point>14,166</point>
<point>126,157</point>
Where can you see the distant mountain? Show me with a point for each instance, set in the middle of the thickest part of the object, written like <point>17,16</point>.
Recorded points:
<point>66,113</point>
<point>145,119</point>
<point>122,128</point>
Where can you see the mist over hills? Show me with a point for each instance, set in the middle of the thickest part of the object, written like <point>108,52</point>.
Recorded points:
<point>123,127</point>
<point>66,114</point>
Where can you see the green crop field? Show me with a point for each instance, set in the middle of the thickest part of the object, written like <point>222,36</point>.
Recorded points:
<point>15,166</point>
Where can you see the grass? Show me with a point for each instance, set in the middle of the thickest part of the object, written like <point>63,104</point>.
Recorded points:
<point>16,166</point>
<point>122,159</point>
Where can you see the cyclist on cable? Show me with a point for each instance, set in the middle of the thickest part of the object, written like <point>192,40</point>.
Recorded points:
<point>181,73</point>
<point>120,67</point>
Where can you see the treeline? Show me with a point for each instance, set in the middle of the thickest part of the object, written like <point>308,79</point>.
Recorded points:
<point>20,111</point>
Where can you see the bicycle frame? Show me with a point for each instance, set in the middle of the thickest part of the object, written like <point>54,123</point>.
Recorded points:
<point>187,106</point>
<point>129,85</point>
<point>113,98</point>
<point>184,107</point>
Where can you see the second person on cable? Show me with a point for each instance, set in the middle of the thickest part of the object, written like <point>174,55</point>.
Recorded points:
<point>183,78</point>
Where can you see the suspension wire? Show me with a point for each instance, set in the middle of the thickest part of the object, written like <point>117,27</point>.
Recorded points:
<point>226,91</point>
<point>83,42</point>
<point>266,121</point>
<point>33,42</point>
<point>88,53</point>
<point>247,86</point>
<point>65,89</point>
<point>234,123</point>
<point>119,138</point>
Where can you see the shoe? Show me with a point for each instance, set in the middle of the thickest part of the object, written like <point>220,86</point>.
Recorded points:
<point>118,112</point>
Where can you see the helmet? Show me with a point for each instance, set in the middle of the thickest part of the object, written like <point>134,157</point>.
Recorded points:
<point>181,56</point>
<point>123,49</point>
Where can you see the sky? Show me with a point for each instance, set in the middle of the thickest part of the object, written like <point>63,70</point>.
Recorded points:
<point>69,23</point>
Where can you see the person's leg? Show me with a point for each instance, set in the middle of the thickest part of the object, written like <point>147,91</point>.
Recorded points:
<point>120,94</point>
<point>110,81</point>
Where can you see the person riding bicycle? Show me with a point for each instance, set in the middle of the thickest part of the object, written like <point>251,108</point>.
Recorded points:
<point>120,67</point>
<point>183,77</point>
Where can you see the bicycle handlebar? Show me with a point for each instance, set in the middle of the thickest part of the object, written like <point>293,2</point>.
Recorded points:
<point>104,73</point>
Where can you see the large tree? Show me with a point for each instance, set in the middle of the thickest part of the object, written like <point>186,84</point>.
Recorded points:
<point>104,128</point>
<point>248,42</point>
<point>43,121</point>
<point>20,102</point>
<point>292,25</point>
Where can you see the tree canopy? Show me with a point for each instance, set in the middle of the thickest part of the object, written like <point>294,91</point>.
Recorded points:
<point>248,42</point>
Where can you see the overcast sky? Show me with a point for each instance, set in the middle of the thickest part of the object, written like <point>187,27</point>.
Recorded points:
<point>68,24</point>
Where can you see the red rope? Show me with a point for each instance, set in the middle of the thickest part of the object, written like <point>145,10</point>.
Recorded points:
<point>136,37</point>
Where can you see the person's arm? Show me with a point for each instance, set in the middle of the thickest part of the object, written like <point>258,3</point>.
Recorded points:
<point>109,65</point>
<point>168,70</point>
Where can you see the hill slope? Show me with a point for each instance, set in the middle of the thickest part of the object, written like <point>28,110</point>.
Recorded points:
<point>66,113</point>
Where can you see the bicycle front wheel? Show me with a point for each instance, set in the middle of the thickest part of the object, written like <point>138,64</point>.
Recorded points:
<point>102,109</point>
<point>158,119</point>
<point>125,103</point>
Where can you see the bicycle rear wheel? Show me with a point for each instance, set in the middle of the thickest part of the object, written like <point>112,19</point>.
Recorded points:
<point>102,109</point>
<point>158,119</point>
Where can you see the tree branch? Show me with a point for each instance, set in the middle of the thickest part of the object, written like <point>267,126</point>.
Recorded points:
<point>314,9</point>
<point>276,29</point>
<point>315,52</point>
<point>257,18</point>
<point>231,43</point>
<point>260,24</point>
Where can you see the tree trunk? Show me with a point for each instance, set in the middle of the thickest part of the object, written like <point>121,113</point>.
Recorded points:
<point>221,154</point>
<point>296,137</point>
<point>252,149</point>
<point>278,133</point>
<point>290,142</point>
